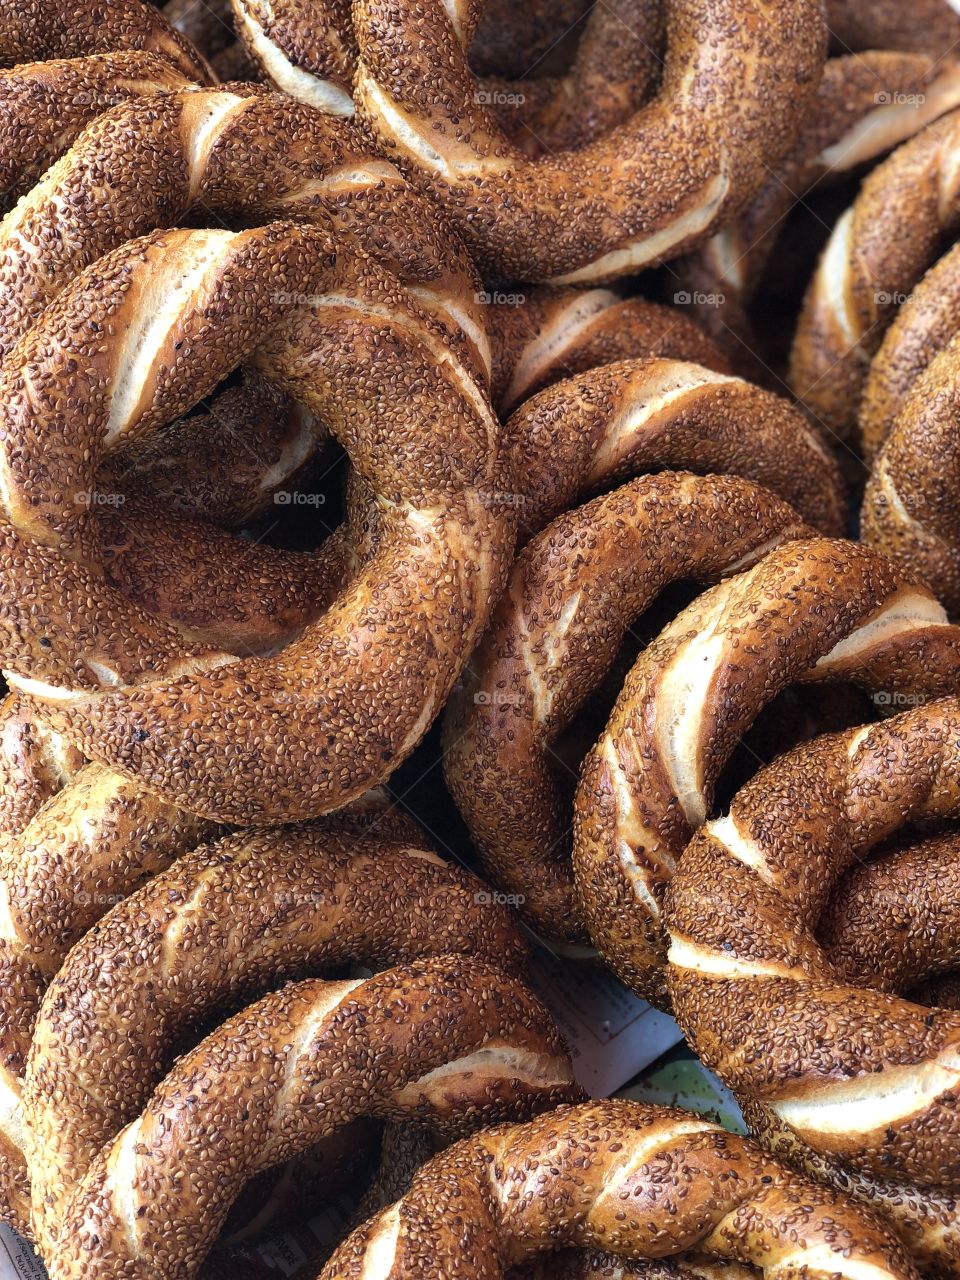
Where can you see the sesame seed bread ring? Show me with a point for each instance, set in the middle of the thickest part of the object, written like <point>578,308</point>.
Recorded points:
<point>226,923</point>
<point>932,25</point>
<point>449,1041</point>
<point>574,592</point>
<point>813,610</point>
<point>60,98</point>
<point>633,1180</point>
<point>865,106</point>
<point>584,1264</point>
<point>93,842</point>
<point>878,252</point>
<point>235,155</point>
<point>619,204</point>
<point>857,1073</point>
<point>925,324</point>
<point>600,427</point>
<point>543,335</point>
<point>34,31</point>
<point>435,466</point>
<point>927,1219</point>
<point>910,502</point>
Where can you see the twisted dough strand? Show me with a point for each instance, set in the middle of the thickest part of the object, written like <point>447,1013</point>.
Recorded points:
<point>629,1179</point>
<point>574,591</point>
<point>227,922</point>
<point>810,610</point>
<point>856,1073</point>
<point>449,1041</point>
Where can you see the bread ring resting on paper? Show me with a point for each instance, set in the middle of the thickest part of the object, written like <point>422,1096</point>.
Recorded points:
<point>227,922</point>
<point>448,1041</point>
<point>860,1074</point>
<point>633,1180</point>
<point>315,727</point>
<point>809,610</point>
<point>574,593</point>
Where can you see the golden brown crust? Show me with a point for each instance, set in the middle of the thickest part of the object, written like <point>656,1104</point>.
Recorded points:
<point>820,610</point>
<point>927,25</point>
<point>450,1042</point>
<point>856,1073</point>
<point>573,594</point>
<point>632,1180</point>
<point>228,922</point>
<point>610,208</point>
<point>34,765</point>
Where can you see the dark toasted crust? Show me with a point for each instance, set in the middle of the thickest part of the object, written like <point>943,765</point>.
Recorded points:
<point>932,25</point>
<point>631,1180</point>
<point>910,507</point>
<point>857,1073</point>
<point>878,252</point>
<point>822,610</point>
<point>540,336</point>
<point>34,31</point>
<point>627,199</point>
<point>450,1042</point>
<point>865,105</point>
<point>574,592</point>
<point>894,923</point>
<point>603,426</point>
<point>229,921</point>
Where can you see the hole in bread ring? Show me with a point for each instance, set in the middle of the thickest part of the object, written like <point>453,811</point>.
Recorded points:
<point>317,724</point>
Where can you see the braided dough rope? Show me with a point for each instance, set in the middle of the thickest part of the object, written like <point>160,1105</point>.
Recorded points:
<point>810,610</point>
<point>33,31</point>
<point>634,1180</point>
<point>609,423</point>
<point>909,506</point>
<point>865,106</point>
<point>877,253</point>
<point>229,921</point>
<point>574,592</point>
<point>448,1041</point>
<point>445,535</point>
<point>858,1074</point>
<point>932,25</point>
<point>545,335</point>
<point>619,204</point>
